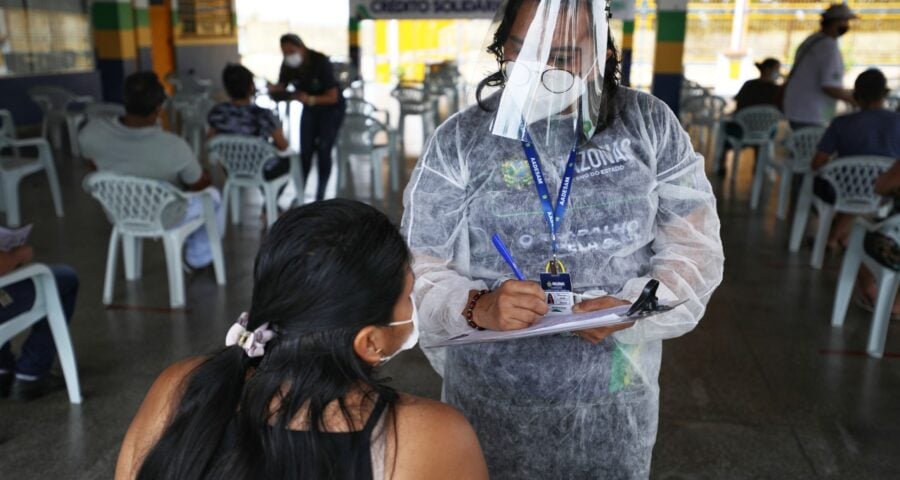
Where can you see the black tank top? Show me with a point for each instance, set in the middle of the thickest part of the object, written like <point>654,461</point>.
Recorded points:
<point>340,444</point>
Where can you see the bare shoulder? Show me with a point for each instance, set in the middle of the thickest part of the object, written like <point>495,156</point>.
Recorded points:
<point>420,409</point>
<point>436,440</point>
<point>153,416</point>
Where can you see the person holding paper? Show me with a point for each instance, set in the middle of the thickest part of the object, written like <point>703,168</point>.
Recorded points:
<point>583,178</point>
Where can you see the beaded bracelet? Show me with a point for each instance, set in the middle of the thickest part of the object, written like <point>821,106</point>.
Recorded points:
<point>470,309</point>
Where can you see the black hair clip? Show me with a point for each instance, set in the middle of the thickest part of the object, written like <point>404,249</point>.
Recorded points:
<point>647,303</point>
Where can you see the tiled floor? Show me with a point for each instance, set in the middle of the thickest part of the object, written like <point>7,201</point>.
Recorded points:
<point>763,388</point>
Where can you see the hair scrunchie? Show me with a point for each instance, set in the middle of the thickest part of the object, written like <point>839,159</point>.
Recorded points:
<point>254,343</point>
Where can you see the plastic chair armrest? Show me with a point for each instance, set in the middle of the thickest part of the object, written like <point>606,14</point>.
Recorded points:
<point>32,270</point>
<point>28,142</point>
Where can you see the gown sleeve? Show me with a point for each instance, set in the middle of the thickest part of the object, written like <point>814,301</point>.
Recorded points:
<point>435,226</point>
<point>688,258</point>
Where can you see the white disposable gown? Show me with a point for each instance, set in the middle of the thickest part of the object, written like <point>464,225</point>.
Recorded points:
<point>641,207</point>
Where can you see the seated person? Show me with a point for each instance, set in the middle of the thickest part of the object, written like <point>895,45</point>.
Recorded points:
<point>136,145</point>
<point>29,377</point>
<point>880,247</point>
<point>759,91</point>
<point>872,130</point>
<point>240,116</point>
<point>295,393</point>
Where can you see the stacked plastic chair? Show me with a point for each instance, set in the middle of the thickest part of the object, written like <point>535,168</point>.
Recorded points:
<point>853,180</point>
<point>360,136</point>
<point>140,209</point>
<point>244,160</point>
<point>14,167</point>
<point>98,110</point>
<point>57,105</point>
<point>888,281</point>
<point>414,100</point>
<point>802,147</point>
<point>703,113</point>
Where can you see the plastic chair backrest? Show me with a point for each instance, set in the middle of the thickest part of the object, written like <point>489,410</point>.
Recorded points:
<point>52,98</point>
<point>853,179</point>
<point>241,156</point>
<point>359,132</point>
<point>360,106</point>
<point>802,145</point>
<point>104,110</point>
<point>692,106</point>
<point>412,99</point>
<point>137,205</point>
<point>759,123</point>
<point>188,84</point>
<point>716,106</point>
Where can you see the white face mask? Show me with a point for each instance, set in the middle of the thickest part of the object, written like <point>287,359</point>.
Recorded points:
<point>293,60</point>
<point>542,103</point>
<point>413,338</point>
<point>545,104</point>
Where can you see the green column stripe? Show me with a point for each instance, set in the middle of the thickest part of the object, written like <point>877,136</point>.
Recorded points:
<point>670,26</point>
<point>628,26</point>
<point>112,16</point>
<point>142,17</point>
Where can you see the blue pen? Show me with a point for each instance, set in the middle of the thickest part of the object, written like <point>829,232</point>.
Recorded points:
<point>504,252</point>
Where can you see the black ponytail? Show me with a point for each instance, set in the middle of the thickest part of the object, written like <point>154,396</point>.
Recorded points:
<point>324,271</point>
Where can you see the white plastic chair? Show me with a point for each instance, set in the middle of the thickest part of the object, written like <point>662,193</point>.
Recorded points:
<point>56,103</point>
<point>704,114</point>
<point>100,110</point>
<point>46,305</point>
<point>802,147</point>
<point>414,101</point>
<point>15,167</point>
<point>853,180</point>
<point>192,110</point>
<point>188,83</point>
<point>140,208</point>
<point>888,281</point>
<point>759,125</point>
<point>359,136</point>
<point>361,107</point>
<point>243,159</point>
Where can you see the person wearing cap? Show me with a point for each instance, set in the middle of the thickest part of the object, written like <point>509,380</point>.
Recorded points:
<point>873,130</point>
<point>758,91</point>
<point>307,76</point>
<point>816,79</point>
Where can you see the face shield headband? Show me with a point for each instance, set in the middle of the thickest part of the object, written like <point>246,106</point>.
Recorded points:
<point>554,54</point>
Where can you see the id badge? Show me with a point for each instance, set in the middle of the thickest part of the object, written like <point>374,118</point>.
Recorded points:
<point>558,291</point>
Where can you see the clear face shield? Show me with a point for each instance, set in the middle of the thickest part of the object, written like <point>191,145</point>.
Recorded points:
<point>554,54</point>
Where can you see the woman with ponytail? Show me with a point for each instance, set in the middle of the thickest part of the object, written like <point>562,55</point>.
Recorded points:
<point>294,394</point>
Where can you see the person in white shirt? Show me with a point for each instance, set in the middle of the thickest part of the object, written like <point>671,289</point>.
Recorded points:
<point>136,145</point>
<point>816,79</point>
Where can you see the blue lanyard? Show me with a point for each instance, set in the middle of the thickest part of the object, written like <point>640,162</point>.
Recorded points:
<point>554,216</point>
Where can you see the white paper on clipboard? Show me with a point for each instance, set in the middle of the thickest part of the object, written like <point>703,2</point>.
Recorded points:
<point>552,324</point>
